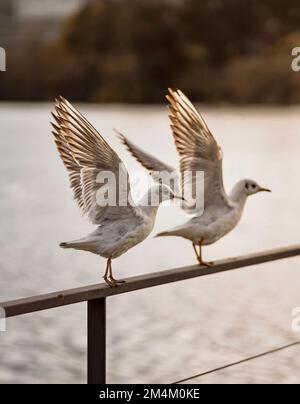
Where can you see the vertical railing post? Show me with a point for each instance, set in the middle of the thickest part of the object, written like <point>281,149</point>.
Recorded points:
<point>97,341</point>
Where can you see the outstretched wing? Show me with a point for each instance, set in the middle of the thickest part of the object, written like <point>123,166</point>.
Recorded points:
<point>161,172</point>
<point>86,155</point>
<point>198,150</point>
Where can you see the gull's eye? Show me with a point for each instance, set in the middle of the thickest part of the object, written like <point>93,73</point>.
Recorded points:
<point>253,186</point>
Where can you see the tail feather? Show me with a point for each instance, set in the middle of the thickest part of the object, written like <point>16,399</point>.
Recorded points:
<point>165,234</point>
<point>84,244</point>
<point>68,245</point>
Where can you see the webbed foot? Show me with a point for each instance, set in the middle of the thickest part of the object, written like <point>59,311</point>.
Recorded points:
<point>206,264</point>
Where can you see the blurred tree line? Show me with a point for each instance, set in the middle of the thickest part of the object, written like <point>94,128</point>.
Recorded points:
<point>236,51</point>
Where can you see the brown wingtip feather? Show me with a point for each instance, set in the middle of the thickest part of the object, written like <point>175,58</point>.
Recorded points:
<point>126,143</point>
<point>131,150</point>
<point>172,103</point>
<point>58,102</point>
<point>172,90</point>
<point>120,136</point>
<point>171,96</point>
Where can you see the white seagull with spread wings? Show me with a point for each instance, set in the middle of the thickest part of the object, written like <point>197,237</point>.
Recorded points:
<point>86,154</point>
<point>199,152</point>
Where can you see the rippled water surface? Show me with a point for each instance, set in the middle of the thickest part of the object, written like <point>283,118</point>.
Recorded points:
<point>170,332</point>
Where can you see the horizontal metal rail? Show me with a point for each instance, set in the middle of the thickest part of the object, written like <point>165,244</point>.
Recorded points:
<point>100,291</point>
<point>96,295</point>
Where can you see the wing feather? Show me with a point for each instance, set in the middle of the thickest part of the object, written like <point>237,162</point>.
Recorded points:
<point>160,171</point>
<point>86,154</point>
<point>198,150</point>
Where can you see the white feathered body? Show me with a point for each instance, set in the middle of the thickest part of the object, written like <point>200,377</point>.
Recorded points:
<point>211,226</point>
<point>114,238</point>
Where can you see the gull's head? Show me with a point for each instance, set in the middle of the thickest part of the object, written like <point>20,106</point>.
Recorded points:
<point>251,187</point>
<point>163,193</point>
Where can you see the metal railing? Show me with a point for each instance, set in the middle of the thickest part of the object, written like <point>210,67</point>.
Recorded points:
<point>96,295</point>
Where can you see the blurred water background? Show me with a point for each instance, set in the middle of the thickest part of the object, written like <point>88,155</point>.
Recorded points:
<point>170,332</point>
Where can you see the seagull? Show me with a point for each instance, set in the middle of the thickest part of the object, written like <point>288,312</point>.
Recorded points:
<point>199,152</point>
<point>86,155</point>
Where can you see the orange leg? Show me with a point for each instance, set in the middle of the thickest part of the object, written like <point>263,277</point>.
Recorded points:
<point>115,281</point>
<point>200,257</point>
<point>107,277</point>
<point>196,251</point>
